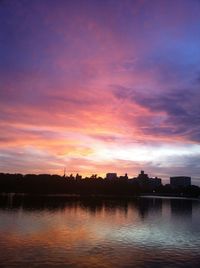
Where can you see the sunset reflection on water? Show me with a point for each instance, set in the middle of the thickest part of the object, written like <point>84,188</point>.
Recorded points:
<point>143,232</point>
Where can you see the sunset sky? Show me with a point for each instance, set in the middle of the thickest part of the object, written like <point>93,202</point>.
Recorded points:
<point>100,86</point>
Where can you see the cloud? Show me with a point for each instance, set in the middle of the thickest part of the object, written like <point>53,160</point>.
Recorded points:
<point>173,113</point>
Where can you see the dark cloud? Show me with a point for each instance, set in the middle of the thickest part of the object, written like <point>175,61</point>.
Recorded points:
<point>181,111</point>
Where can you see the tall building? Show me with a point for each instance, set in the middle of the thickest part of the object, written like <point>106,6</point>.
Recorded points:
<point>144,180</point>
<point>142,176</point>
<point>180,181</point>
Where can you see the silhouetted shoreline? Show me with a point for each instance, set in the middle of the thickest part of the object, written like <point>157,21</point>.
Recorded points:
<point>45,184</point>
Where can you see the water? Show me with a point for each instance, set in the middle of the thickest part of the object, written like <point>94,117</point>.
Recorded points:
<point>69,232</point>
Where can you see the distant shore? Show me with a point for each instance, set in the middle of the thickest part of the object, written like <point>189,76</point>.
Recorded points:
<point>101,196</point>
<point>118,187</point>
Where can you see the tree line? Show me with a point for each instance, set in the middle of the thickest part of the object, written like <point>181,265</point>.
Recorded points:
<point>94,185</point>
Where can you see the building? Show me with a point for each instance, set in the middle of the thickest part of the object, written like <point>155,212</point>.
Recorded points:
<point>123,178</point>
<point>144,180</point>
<point>142,176</point>
<point>180,181</point>
<point>111,176</point>
<point>155,182</point>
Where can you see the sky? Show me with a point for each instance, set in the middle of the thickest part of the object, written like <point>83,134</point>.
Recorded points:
<point>100,86</point>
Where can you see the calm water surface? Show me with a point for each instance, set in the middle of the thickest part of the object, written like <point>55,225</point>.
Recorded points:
<point>63,232</point>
